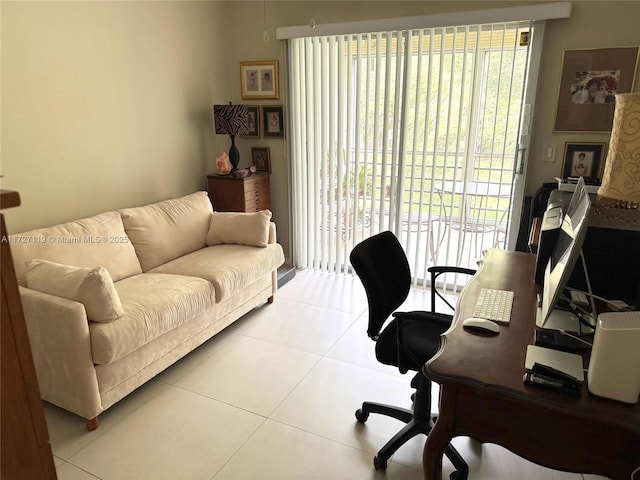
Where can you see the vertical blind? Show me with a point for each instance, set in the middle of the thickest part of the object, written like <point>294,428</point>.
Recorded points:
<point>411,131</point>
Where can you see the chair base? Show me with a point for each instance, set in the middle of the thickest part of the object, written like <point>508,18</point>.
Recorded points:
<point>418,421</point>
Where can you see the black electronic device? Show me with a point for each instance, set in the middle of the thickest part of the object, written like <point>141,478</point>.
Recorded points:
<point>548,377</point>
<point>544,381</point>
<point>551,372</point>
<point>549,233</point>
<point>560,341</point>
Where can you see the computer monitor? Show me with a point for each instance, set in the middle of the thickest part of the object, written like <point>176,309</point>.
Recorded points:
<point>578,193</point>
<point>550,229</point>
<point>563,259</point>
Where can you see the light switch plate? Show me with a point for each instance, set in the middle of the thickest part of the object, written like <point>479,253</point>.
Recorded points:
<point>549,152</point>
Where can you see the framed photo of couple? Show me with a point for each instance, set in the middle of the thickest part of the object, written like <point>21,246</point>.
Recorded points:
<point>583,160</point>
<point>588,85</point>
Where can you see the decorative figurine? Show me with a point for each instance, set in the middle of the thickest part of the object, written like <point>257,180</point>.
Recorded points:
<point>223,164</point>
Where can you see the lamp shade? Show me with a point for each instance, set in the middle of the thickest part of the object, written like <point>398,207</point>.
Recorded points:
<point>231,119</point>
<point>621,179</point>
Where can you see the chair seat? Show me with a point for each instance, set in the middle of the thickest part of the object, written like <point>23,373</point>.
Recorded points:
<point>420,333</point>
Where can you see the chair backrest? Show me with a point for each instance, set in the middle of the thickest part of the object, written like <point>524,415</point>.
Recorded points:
<point>382,266</point>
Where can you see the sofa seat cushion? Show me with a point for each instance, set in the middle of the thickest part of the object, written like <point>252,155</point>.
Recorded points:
<point>229,268</point>
<point>166,230</point>
<point>153,304</point>
<point>98,241</point>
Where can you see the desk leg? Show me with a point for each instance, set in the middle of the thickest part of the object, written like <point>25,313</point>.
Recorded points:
<point>441,435</point>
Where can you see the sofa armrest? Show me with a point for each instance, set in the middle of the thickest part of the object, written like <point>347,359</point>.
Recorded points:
<point>61,347</point>
<point>272,233</point>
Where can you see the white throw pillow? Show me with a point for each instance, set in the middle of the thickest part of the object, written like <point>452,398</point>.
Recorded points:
<point>164,231</point>
<point>241,228</point>
<point>93,287</point>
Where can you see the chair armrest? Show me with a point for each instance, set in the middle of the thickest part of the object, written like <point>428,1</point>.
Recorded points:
<point>440,269</point>
<point>61,347</point>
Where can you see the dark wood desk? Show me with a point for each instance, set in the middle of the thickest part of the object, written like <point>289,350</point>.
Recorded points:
<point>482,394</point>
<point>26,451</point>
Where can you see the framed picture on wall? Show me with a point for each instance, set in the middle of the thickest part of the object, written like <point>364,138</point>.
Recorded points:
<point>590,79</point>
<point>583,160</point>
<point>261,159</point>
<point>253,121</point>
<point>273,121</point>
<point>259,80</point>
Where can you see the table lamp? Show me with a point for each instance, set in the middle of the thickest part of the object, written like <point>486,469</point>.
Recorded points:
<point>619,194</point>
<point>231,120</point>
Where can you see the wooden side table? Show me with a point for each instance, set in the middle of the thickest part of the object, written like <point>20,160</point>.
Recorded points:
<point>234,194</point>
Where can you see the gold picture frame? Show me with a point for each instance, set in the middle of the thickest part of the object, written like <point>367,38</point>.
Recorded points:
<point>259,80</point>
<point>590,79</point>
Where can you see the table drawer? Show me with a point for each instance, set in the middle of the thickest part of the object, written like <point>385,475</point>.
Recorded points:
<point>256,205</point>
<point>256,184</point>
<point>235,194</point>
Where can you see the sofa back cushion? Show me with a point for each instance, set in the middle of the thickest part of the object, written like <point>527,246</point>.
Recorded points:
<point>98,241</point>
<point>163,231</point>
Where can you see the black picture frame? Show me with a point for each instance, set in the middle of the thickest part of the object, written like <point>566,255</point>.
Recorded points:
<point>583,160</point>
<point>254,121</point>
<point>273,121</point>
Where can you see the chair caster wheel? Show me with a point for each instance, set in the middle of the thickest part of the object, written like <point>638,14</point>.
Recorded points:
<point>457,476</point>
<point>379,464</point>
<point>361,416</point>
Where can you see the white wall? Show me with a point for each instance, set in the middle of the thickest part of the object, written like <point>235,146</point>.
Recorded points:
<point>107,104</point>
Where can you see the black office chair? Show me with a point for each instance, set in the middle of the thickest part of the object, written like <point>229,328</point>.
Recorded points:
<point>407,342</point>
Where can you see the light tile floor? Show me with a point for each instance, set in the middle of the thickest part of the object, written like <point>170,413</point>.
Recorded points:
<point>271,397</point>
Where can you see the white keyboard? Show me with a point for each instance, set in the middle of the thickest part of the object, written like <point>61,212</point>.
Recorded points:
<point>494,305</point>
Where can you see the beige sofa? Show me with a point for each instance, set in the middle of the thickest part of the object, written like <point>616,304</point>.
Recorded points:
<point>112,300</point>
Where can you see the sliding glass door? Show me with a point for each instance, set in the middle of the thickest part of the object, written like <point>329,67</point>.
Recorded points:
<point>417,131</point>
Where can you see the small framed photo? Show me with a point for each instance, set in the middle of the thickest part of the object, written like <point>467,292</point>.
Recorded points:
<point>588,85</point>
<point>254,121</point>
<point>259,80</point>
<point>583,160</point>
<point>261,159</point>
<point>273,121</point>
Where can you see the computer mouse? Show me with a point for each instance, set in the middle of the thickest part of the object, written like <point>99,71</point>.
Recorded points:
<point>481,324</point>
